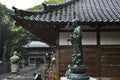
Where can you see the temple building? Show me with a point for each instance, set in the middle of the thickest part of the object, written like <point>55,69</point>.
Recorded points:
<point>37,53</point>
<point>100,20</point>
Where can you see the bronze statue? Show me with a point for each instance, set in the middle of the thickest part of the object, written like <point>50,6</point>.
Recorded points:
<point>76,40</point>
<point>77,69</point>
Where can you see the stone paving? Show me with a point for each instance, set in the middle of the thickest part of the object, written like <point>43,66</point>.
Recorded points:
<point>27,74</point>
<point>24,73</point>
<point>2,76</point>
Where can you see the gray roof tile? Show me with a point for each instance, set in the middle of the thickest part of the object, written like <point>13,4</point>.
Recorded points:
<point>84,10</point>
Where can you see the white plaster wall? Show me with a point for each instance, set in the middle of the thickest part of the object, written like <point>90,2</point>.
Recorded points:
<point>110,38</point>
<point>63,38</point>
<point>89,38</point>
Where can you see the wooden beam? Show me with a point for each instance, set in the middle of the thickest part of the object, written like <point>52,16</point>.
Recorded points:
<point>109,30</point>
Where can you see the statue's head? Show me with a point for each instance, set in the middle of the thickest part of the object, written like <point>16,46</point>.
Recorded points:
<point>74,22</point>
<point>15,52</point>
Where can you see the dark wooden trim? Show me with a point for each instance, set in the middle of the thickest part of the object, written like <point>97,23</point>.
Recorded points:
<point>84,30</point>
<point>92,30</point>
<point>109,30</point>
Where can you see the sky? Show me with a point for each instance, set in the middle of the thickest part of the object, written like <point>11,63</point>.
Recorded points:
<point>21,4</point>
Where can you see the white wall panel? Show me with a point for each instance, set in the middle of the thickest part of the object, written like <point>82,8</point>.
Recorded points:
<point>110,38</point>
<point>63,38</point>
<point>89,38</point>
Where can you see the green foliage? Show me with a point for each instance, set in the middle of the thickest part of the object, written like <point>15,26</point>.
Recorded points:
<point>4,14</point>
<point>11,36</point>
<point>15,37</point>
<point>20,37</point>
<point>39,7</point>
<point>53,1</point>
<point>5,23</point>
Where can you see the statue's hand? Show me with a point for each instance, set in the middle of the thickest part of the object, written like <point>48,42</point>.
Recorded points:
<point>70,38</point>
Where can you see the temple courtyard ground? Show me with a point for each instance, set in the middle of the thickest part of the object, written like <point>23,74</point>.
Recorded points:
<point>26,73</point>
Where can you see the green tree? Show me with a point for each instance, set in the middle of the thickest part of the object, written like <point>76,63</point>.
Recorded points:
<point>53,1</point>
<point>4,24</point>
<point>20,37</point>
<point>39,7</point>
<point>11,37</point>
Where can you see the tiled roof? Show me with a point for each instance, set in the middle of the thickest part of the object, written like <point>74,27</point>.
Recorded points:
<point>34,44</point>
<point>84,10</point>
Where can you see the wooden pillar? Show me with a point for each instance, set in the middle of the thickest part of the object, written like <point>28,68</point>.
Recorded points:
<point>57,55</point>
<point>98,49</point>
<point>98,35</point>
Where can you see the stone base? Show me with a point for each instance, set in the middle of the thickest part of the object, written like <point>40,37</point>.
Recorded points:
<point>65,78</point>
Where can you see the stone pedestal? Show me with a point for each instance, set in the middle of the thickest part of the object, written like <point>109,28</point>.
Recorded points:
<point>65,78</point>
<point>14,68</point>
